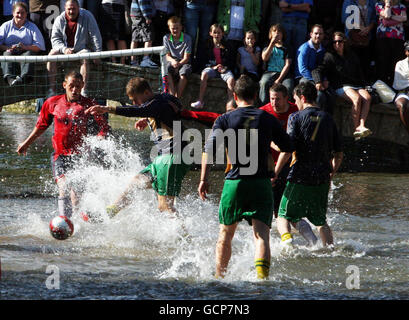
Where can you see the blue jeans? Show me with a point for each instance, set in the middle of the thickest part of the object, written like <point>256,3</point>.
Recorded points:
<point>267,80</point>
<point>296,33</point>
<point>200,16</point>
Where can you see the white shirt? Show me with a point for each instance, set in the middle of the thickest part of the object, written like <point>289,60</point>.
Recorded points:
<point>401,78</point>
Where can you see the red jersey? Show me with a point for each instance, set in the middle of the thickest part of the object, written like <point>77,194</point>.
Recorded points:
<point>71,124</point>
<point>282,117</point>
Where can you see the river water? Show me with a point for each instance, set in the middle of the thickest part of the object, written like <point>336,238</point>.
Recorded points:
<point>144,254</point>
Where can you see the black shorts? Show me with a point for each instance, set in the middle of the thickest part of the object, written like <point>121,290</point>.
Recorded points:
<point>62,165</point>
<point>112,18</point>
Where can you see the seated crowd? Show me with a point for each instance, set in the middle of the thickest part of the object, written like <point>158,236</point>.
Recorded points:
<point>342,46</point>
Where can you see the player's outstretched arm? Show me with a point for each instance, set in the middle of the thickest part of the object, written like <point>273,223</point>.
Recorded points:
<point>22,147</point>
<point>100,109</point>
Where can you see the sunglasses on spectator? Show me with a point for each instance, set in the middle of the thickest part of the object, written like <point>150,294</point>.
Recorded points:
<point>338,41</point>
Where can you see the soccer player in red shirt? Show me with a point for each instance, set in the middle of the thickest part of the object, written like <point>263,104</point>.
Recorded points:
<point>71,126</point>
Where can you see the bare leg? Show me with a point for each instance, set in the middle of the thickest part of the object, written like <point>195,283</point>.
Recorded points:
<point>134,45</point>
<point>223,248</point>
<point>122,46</point>
<point>203,86</point>
<point>326,235</point>
<point>166,203</point>
<point>110,47</point>
<point>171,84</point>
<point>283,226</point>
<point>84,70</point>
<point>365,105</point>
<point>402,105</point>
<point>139,181</point>
<point>52,70</point>
<point>181,85</point>
<point>148,44</point>
<point>356,100</point>
<point>230,87</point>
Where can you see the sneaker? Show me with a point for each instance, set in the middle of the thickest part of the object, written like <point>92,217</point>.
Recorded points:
<point>10,80</point>
<point>362,134</point>
<point>148,63</point>
<point>17,81</point>
<point>112,210</point>
<point>287,240</point>
<point>197,105</point>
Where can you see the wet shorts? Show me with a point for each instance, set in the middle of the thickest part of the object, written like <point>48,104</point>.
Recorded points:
<point>167,172</point>
<point>246,199</point>
<point>303,201</point>
<point>62,165</point>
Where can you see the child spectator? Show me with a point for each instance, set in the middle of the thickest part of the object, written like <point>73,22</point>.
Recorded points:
<point>142,13</point>
<point>278,63</point>
<point>219,64</point>
<point>237,16</point>
<point>248,56</point>
<point>179,48</point>
<point>113,26</point>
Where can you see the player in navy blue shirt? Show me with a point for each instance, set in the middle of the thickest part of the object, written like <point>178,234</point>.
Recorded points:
<point>246,132</point>
<point>318,155</point>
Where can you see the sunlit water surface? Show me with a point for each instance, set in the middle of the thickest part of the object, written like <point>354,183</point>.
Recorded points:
<point>144,254</point>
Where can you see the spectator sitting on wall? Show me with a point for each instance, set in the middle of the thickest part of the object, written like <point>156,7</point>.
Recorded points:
<point>19,37</point>
<point>179,48</point>
<point>74,31</point>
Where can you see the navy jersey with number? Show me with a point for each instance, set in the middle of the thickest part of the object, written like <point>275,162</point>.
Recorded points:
<point>315,137</point>
<point>238,131</point>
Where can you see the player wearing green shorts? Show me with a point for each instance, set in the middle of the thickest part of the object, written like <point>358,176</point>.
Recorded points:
<point>318,155</point>
<point>247,191</point>
<point>160,112</point>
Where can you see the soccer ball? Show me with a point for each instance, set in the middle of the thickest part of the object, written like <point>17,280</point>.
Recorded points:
<point>61,227</point>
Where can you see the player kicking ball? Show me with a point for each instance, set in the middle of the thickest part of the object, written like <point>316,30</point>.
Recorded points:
<point>71,126</point>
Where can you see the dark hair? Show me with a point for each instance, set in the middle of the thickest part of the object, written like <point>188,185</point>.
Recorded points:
<point>317,25</point>
<point>137,86</point>
<point>216,26</point>
<point>245,88</point>
<point>278,27</point>
<point>279,87</point>
<point>308,90</point>
<point>75,1</point>
<point>21,5</point>
<point>73,74</point>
